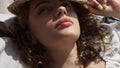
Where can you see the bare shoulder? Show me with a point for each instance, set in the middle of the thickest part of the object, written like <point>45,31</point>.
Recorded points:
<point>100,64</point>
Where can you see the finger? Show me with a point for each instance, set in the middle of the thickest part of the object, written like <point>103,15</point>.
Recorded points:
<point>94,11</point>
<point>95,4</point>
<point>107,12</point>
<point>88,3</point>
<point>103,3</point>
<point>79,0</point>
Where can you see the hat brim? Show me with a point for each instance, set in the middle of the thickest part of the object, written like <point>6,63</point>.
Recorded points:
<point>16,4</point>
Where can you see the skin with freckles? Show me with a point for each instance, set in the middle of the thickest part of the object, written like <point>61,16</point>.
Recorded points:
<point>56,34</point>
<point>43,19</point>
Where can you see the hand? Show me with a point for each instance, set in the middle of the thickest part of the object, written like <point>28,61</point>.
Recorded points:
<point>109,8</point>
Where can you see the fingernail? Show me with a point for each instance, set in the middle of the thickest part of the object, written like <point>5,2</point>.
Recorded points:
<point>86,6</point>
<point>104,6</point>
<point>105,1</point>
<point>100,7</point>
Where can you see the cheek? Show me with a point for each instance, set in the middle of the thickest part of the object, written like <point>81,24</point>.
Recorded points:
<point>37,22</point>
<point>40,32</point>
<point>77,23</point>
<point>40,29</point>
<point>77,28</point>
<point>36,25</point>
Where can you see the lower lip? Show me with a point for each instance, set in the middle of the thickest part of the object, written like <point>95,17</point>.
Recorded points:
<point>64,25</point>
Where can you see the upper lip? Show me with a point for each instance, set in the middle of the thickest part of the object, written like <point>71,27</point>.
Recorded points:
<point>62,20</point>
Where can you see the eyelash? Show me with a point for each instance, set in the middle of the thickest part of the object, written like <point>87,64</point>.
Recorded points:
<point>43,10</point>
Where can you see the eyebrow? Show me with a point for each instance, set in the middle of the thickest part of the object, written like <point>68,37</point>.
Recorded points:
<point>45,1</point>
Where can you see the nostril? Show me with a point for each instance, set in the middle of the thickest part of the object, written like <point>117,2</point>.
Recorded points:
<point>58,14</point>
<point>65,12</point>
<point>61,11</point>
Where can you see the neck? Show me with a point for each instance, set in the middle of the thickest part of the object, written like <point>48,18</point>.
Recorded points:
<point>64,58</point>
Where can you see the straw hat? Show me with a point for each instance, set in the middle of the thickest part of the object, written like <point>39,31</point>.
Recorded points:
<point>16,4</point>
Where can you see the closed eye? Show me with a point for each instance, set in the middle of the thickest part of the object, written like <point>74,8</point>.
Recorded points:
<point>43,10</point>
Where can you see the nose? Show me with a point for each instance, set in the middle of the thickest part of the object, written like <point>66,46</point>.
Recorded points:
<point>61,11</point>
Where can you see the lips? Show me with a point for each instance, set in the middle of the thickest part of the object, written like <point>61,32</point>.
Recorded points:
<point>63,23</point>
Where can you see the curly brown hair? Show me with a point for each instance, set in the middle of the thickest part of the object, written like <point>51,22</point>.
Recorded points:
<point>89,44</point>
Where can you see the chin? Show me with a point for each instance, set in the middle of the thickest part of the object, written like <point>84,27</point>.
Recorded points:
<point>70,33</point>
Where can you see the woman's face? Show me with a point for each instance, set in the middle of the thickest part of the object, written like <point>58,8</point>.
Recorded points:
<point>53,22</point>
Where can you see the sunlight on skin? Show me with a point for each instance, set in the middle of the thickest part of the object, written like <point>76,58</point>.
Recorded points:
<point>100,6</point>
